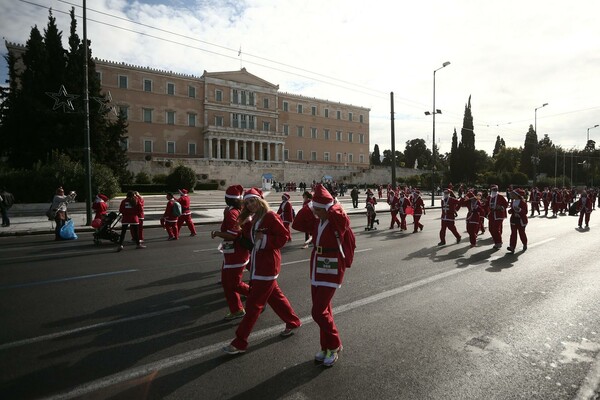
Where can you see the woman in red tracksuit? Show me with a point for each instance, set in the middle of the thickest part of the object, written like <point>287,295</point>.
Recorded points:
<point>186,213</point>
<point>286,213</point>
<point>518,219</point>
<point>268,235</point>
<point>327,267</point>
<point>235,256</point>
<point>140,200</point>
<point>130,212</point>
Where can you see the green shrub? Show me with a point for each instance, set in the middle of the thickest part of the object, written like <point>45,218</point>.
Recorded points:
<point>206,186</point>
<point>182,177</point>
<point>143,178</point>
<point>160,178</point>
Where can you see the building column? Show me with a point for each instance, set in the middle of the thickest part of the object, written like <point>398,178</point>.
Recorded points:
<point>268,151</point>
<point>218,148</point>
<point>235,150</point>
<point>245,144</point>
<point>210,149</point>
<point>253,145</point>
<point>227,149</point>
<point>276,152</point>
<point>282,152</point>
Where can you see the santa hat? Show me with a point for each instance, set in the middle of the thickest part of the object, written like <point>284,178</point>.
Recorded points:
<point>285,196</point>
<point>183,191</point>
<point>253,192</point>
<point>322,198</point>
<point>234,192</point>
<point>494,187</point>
<point>102,197</point>
<point>519,192</point>
<point>470,195</point>
<point>369,192</point>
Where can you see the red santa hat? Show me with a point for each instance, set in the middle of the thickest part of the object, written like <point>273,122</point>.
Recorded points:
<point>183,191</point>
<point>494,187</point>
<point>234,192</point>
<point>103,197</point>
<point>285,196</point>
<point>519,192</point>
<point>253,192</point>
<point>322,198</point>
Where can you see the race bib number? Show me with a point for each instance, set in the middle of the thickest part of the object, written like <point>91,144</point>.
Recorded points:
<point>327,265</point>
<point>227,247</point>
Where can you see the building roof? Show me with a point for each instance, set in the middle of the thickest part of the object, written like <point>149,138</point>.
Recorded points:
<point>241,76</point>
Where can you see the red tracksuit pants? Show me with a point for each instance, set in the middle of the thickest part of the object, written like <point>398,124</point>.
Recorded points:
<point>233,286</point>
<point>417,224</point>
<point>473,230</point>
<point>451,227</point>
<point>259,294</point>
<point>186,220</point>
<point>495,228</point>
<point>587,218</point>
<point>514,229</point>
<point>172,230</point>
<point>322,314</point>
<point>395,219</point>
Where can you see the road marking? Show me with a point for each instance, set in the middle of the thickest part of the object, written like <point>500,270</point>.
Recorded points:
<point>213,249</point>
<point>591,384</point>
<point>72,278</point>
<point>89,327</point>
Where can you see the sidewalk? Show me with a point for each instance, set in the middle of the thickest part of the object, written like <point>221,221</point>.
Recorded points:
<point>207,208</point>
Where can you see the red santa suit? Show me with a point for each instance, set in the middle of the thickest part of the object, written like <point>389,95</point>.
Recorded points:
<point>556,202</point>
<point>100,206</point>
<point>268,235</point>
<point>140,200</point>
<point>404,203</point>
<point>130,212</point>
<point>235,256</point>
<point>496,206</point>
<point>474,214</point>
<point>418,210</point>
<point>394,208</point>
<point>370,203</point>
<point>286,213</point>
<point>518,220</point>
<point>170,220</point>
<point>585,206</point>
<point>534,199</point>
<point>186,213</point>
<point>450,206</point>
<point>546,197</point>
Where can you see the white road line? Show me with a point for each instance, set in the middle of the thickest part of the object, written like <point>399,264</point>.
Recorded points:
<point>89,327</point>
<point>200,251</point>
<point>71,278</point>
<point>591,384</point>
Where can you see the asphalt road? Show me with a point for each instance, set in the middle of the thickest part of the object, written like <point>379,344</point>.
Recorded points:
<point>417,321</point>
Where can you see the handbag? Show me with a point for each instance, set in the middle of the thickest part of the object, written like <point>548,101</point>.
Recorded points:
<point>50,214</point>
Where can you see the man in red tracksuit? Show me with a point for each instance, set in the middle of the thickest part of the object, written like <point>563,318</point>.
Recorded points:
<point>518,219</point>
<point>585,207</point>
<point>186,213</point>
<point>450,205</point>
<point>474,213</point>
<point>394,208</point>
<point>496,207</point>
<point>286,213</point>
<point>418,210</point>
<point>170,219</point>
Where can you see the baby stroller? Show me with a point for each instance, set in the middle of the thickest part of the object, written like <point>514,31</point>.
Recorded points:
<point>107,230</point>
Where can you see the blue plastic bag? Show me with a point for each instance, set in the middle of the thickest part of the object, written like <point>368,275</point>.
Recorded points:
<point>67,231</point>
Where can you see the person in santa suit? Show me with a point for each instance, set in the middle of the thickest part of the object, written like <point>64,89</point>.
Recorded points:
<point>235,255</point>
<point>286,213</point>
<point>483,197</point>
<point>380,191</point>
<point>328,263</point>
<point>450,206</point>
<point>474,213</point>
<point>306,211</point>
<point>394,208</point>
<point>140,200</point>
<point>534,199</point>
<point>518,219</point>
<point>130,211</point>
<point>370,203</point>
<point>264,229</point>
<point>496,208</point>
<point>403,203</point>
<point>186,212</point>
<point>100,206</point>
<point>585,206</point>
<point>556,202</point>
<point>169,219</point>
<point>546,198</point>
<point>418,206</point>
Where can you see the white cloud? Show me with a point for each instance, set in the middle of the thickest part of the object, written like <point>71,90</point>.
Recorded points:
<point>511,56</point>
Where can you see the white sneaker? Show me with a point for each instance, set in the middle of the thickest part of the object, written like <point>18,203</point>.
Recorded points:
<point>320,356</point>
<point>331,357</point>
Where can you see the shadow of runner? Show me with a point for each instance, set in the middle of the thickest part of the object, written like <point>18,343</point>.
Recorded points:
<point>505,262</point>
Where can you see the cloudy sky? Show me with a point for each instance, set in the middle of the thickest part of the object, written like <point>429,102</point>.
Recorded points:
<point>511,56</point>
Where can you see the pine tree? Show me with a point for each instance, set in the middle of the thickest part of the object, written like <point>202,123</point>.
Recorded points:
<point>500,144</point>
<point>455,172</point>
<point>530,149</point>
<point>376,156</point>
<point>467,146</point>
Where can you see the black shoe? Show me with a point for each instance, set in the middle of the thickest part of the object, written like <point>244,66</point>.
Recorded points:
<point>524,247</point>
<point>458,240</point>
<point>441,243</point>
<point>510,249</point>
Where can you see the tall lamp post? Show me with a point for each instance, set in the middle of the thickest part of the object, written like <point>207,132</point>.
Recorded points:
<point>435,111</point>
<point>588,133</point>
<point>535,159</point>
<point>589,160</point>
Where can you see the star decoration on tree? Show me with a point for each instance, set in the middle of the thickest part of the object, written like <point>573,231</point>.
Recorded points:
<point>106,104</point>
<point>63,99</point>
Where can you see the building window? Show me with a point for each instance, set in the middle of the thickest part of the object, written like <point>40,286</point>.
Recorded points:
<point>349,116</point>
<point>244,97</point>
<point>265,103</point>
<point>361,158</point>
<point>147,114</point>
<point>313,133</point>
<point>286,106</point>
<point>338,136</point>
<point>170,117</point>
<point>286,154</point>
<point>300,131</point>
<point>350,158</point>
<point>266,126</point>
<point>234,97</point>
<point>235,122</point>
<point>218,120</point>
<point>338,114</point>
<point>251,99</point>
<point>147,85</point>
<point>192,92</point>
<point>99,76</point>
<point>218,95</point>
<point>124,111</point>
<point>191,119</point>
<point>338,157</point>
<point>327,113</point>
<point>350,136</point>
<point>326,134</point>
<point>243,121</point>
<point>192,149</point>
<point>170,89</point>
<point>251,121</point>
<point>171,147</point>
<point>361,138</point>
<point>313,156</point>
<point>122,82</point>
<point>313,110</point>
<point>300,155</point>
<point>286,130</point>
<point>300,109</point>
<point>326,156</point>
<point>147,146</point>
<point>360,118</point>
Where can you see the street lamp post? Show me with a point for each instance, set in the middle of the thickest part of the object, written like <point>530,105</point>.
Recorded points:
<point>535,159</point>
<point>588,133</point>
<point>434,111</point>
<point>589,160</point>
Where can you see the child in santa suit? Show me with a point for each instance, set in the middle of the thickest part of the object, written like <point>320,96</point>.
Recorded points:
<point>286,213</point>
<point>474,214</point>
<point>518,219</point>
<point>186,213</point>
<point>585,206</point>
<point>100,206</point>
<point>370,203</point>
<point>169,219</point>
<point>327,267</point>
<point>264,229</point>
<point>235,256</point>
